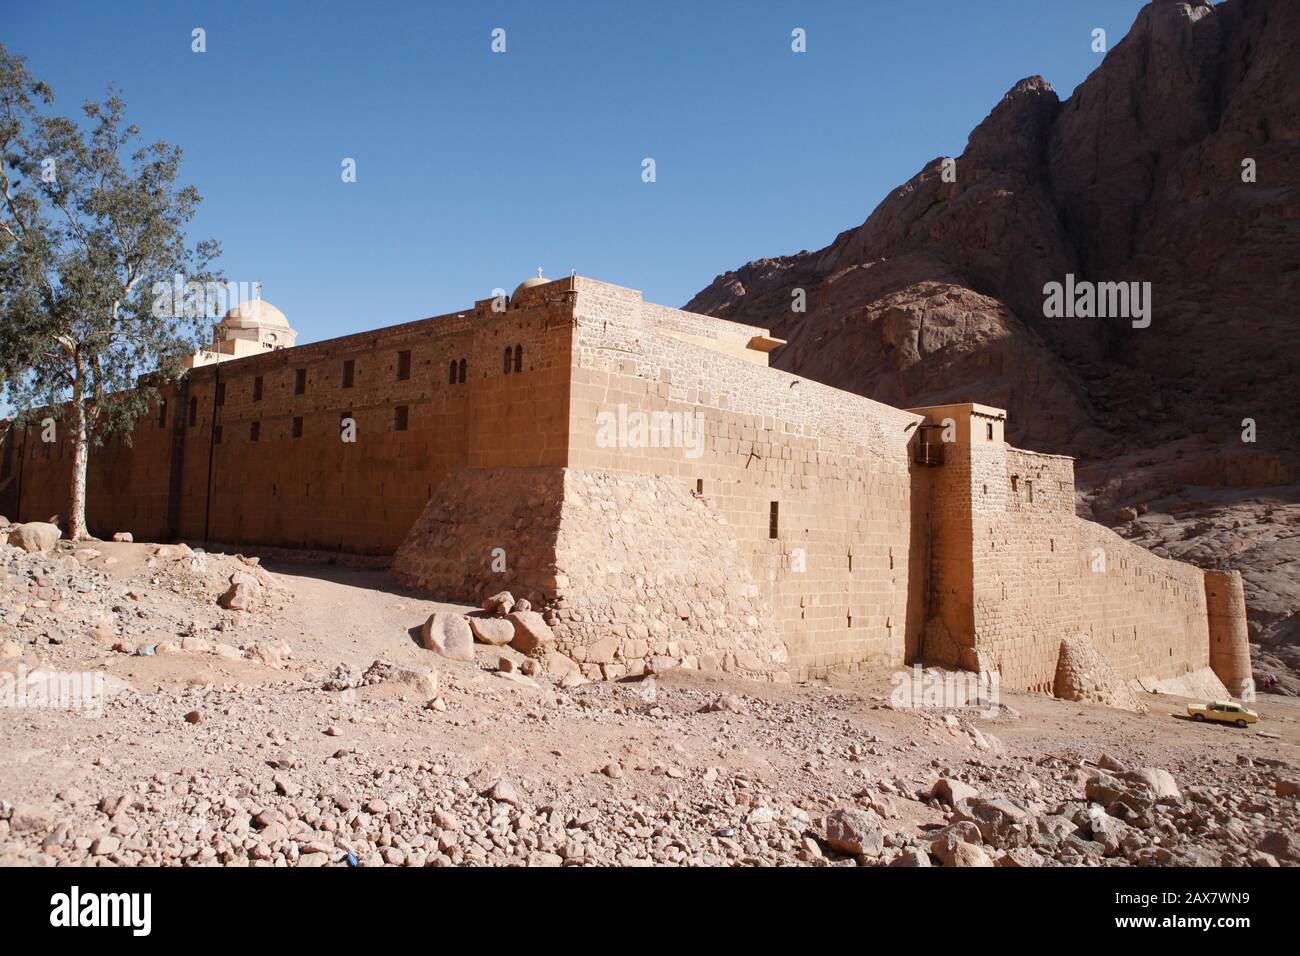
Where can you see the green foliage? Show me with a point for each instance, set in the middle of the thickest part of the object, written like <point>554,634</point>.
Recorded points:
<point>90,221</point>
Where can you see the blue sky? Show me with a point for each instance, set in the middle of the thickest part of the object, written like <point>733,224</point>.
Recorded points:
<point>475,168</point>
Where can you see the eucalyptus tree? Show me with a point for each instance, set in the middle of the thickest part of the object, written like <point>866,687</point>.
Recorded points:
<point>92,225</point>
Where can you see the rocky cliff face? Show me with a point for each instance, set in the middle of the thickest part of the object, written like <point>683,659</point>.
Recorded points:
<point>1140,176</point>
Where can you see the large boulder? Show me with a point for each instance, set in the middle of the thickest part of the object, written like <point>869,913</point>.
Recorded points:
<point>492,630</point>
<point>449,635</point>
<point>854,831</point>
<point>1001,822</point>
<point>531,631</point>
<point>34,536</point>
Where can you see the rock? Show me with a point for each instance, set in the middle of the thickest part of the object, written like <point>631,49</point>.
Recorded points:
<point>503,791</point>
<point>1283,846</point>
<point>560,665</point>
<point>952,791</point>
<point>1022,857</point>
<point>612,770</point>
<point>532,633</point>
<point>505,665</point>
<point>501,603</point>
<point>530,667</point>
<point>124,537</point>
<point>34,537</point>
<point>492,630</point>
<point>911,857</point>
<point>193,717</point>
<point>9,648</point>
<point>523,604</point>
<point>1107,791</point>
<point>105,846</point>
<point>1287,788</point>
<point>243,592</point>
<point>1001,822</point>
<point>1159,782</point>
<point>855,832</point>
<point>449,635</point>
<point>422,681</point>
<point>944,843</point>
<point>729,703</point>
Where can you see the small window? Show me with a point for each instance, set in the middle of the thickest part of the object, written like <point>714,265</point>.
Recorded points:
<point>297,426</point>
<point>194,412</point>
<point>300,381</point>
<point>403,365</point>
<point>401,417</point>
<point>507,360</point>
<point>221,393</point>
<point>773,520</point>
<point>461,372</point>
<point>1029,490</point>
<point>257,389</point>
<point>349,372</point>
<point>989,430</point>
<point>451,373</point>
<point>216,435</point>
<point>519,358</point>
<point>162,413</point>
<point>255,431</point>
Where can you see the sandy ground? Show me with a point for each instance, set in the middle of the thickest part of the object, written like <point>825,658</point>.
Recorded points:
<point>633,772</point>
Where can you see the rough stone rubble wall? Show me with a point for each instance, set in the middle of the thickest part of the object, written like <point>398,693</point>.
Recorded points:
<point>484,531</point>
<point>647,569</point>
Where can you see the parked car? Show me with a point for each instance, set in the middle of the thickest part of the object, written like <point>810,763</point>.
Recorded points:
<point>1224,712</point>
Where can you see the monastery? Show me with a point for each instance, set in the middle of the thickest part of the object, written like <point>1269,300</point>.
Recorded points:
<point>751,521</point>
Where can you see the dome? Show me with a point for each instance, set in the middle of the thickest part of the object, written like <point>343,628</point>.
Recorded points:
<point>255,314</point>
<point>528,284</point>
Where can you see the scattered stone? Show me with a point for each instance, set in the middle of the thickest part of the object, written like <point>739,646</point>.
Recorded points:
<point>532,633</point>
<point>448,635</point>
<point>492,630</point>
<point>855,832</point>
<point>34,537</point>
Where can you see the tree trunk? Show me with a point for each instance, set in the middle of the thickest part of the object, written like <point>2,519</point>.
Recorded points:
<point>80,459</point>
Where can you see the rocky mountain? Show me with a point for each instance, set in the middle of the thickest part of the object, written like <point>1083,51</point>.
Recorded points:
<point>1175,163</point>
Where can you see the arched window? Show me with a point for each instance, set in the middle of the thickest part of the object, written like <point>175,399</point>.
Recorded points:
<point>519,358</point>
<point>461,379</point>
<point>505,361</point>
<point>451,373</point>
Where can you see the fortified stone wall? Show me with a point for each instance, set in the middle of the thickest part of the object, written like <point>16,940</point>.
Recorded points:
<point>1038,574</point>
<point>814,484</point>
<point>656,488</point>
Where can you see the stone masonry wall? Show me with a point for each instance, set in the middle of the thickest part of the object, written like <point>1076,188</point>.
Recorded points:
<point>836,562</point>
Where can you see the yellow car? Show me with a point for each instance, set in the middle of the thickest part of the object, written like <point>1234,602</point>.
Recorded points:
<point>1223,711</point>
